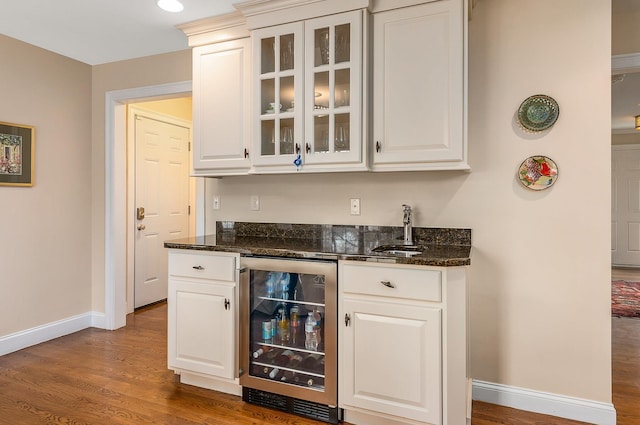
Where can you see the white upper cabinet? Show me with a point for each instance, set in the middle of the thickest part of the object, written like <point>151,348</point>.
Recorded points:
<point>221,105</point>
<point>307,105</point>
<point>282,86</point>
<point>419,87</point>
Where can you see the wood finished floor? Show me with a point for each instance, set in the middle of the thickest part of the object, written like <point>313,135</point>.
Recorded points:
<point>120,377</point>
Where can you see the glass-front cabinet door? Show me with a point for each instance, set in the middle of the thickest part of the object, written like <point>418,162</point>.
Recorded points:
<point>308,94</point>
<point>278,64</point>
<point>333,87</point>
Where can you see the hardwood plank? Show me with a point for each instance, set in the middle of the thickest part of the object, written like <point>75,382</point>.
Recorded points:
<point>121,377</point>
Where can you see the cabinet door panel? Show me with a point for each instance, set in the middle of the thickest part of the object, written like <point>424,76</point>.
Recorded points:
<point>418,109</point>
<point>201,337</point>
<point>221,96</point>
<point>278,54</point>
<point>392,360</point>
<point>333,96</point>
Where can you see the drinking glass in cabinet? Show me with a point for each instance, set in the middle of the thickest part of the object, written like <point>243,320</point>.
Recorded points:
<point>342,133</point>
<point>321,133</point>
<point>286,132</point>
<point>321,90</point>
<point>342,87</point>
<point>286,52</point>
<point>286,93</point>
<point>321,46</point>
<point>268,137</point>
<point>268,55</point>
<point>343,43</point>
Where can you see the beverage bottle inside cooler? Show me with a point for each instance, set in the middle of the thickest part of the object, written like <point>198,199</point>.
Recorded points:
<point>270,284</point>
<point>284,286</point>
<point>290,376</point>
<point>274,373</point>
<point>260,351</point>
<point>284,358</point>
<point>311,333</point>
<point>294,320</point>
<point>294,361</point>
<point>283,326</point>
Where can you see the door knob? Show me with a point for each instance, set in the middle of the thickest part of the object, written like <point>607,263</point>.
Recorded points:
<point>141,227</point>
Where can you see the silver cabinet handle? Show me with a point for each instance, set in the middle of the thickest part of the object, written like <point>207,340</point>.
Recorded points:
<point>387,284</point>
<point>227,304</point>
<point>347,319</point>
<point>198,267</point>
<point>141,227</point>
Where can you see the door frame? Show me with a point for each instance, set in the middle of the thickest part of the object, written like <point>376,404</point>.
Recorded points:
<point>133,111</point>
<point>115,226</point>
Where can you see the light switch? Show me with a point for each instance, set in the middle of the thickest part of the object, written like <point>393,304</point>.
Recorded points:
<point>216,202</point>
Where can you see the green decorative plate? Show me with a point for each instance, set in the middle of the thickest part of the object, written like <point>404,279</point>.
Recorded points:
<point>538,172</point>
<point>538,112</point>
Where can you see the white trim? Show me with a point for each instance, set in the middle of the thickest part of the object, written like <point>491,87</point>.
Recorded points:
<point>116,194</point>
<point>625,63</point>
<point>593,412</point>
<point>27,338</point>
<point>628,147</point>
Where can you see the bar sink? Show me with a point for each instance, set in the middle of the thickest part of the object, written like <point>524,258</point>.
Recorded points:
<point>404,250</point>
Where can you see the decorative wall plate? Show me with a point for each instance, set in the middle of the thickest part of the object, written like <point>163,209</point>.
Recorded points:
<point>538,112</point>
<point>538,172</point>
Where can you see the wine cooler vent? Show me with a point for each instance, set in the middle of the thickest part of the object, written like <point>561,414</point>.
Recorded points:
<point>296,406</point>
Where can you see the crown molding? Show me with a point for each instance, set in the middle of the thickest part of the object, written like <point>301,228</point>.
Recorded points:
<point>264,13</point>
<point>226,27</point>
<point>621,64</point>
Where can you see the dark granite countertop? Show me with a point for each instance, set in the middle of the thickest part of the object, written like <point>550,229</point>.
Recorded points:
<point>444,247</point>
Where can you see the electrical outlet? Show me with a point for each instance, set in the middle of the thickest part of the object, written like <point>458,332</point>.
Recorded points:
<point>216,202</point>
<point>355,206</point>
<point>255,203</point>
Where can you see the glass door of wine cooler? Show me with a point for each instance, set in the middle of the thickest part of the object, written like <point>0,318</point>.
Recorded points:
<point>289,342</point>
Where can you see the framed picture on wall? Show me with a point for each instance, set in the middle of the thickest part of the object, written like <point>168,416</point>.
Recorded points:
<point>16,155</point>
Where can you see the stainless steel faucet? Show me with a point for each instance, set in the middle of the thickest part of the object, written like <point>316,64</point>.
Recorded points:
<point>406,220</point>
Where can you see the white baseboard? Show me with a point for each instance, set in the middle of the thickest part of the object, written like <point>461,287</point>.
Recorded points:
<point>27,338</point>
<point>593,412</point>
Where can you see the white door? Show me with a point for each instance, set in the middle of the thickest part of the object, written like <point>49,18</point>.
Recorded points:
<point>625,205</point>
<point>162,190</point>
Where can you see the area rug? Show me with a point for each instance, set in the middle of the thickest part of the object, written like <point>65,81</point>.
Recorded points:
<point>625,298</point>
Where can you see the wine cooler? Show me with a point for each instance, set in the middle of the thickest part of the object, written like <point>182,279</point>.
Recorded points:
<point>288,339</point>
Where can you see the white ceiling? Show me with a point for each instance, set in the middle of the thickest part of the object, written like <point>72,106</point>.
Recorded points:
<point>102,31</point>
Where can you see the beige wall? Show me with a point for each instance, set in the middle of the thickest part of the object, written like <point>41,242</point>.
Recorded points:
<point>540,285</point>
<point>45,249</point>
<point>135,73</point>
<point>625,34</point>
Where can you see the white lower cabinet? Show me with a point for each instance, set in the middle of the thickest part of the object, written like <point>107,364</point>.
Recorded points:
<point>402,344</point>
<point>203,318</point>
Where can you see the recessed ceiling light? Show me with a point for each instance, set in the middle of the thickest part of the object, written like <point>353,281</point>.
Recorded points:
<point>170,5</point>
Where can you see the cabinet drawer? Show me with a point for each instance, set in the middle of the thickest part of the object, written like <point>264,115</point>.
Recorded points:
<point>395,282</point>
<point>203,265</point>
